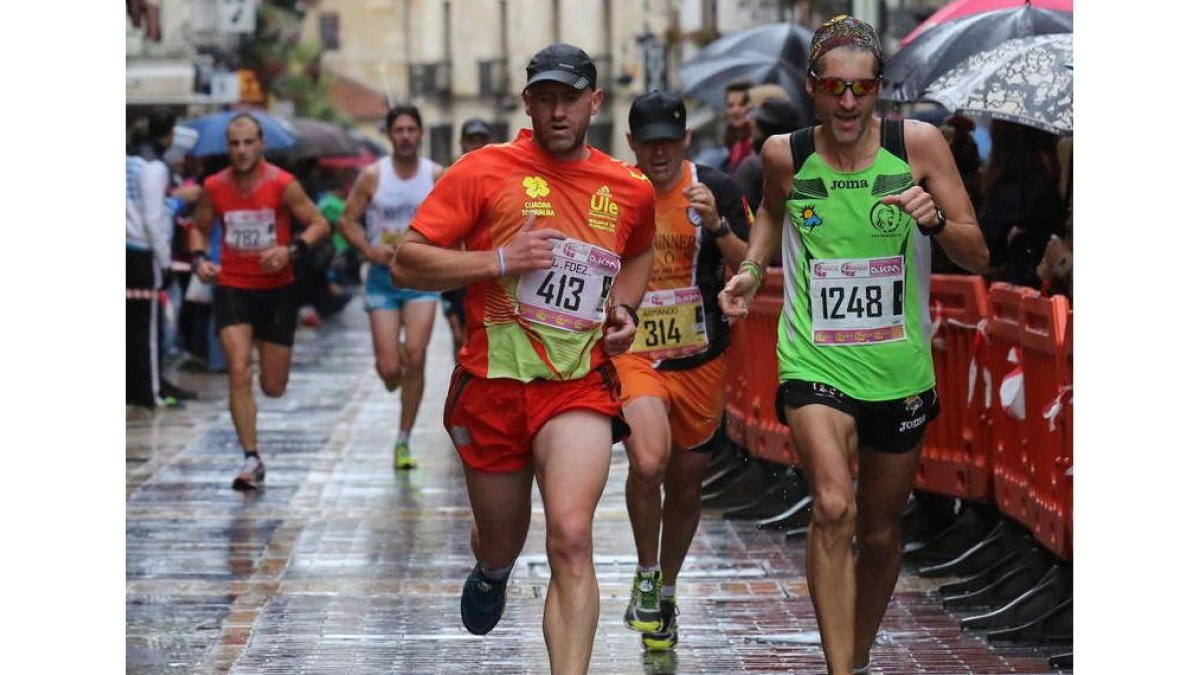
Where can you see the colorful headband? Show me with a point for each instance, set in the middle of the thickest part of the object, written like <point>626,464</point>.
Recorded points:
<point>840,31</point>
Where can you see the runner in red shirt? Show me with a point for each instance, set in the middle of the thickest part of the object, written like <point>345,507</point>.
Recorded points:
<point>253,299</point>
<point>557,244</point>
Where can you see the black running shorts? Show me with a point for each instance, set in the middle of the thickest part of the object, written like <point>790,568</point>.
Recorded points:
<point>895,426</point>
<point>270,312</point>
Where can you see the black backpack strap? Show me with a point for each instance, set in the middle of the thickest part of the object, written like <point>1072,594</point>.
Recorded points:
<point>803,145</point>
<point>892,138</point>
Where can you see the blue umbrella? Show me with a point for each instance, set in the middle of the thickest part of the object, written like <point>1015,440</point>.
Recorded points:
<point>278,133</point>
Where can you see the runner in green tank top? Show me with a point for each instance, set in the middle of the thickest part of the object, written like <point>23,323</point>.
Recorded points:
<point>855,213</point>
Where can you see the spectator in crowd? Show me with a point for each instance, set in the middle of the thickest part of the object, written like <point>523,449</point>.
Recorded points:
<point>149,223</point>
<point>1021,206</point>
<point>738,126</point>
<point>773,116</point>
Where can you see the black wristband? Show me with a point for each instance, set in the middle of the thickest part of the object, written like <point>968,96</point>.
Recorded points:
<point>297,248</point>
<point>197,258</point>
<point>632,312</point>
<point>723,230</point>
<point>937,226</point>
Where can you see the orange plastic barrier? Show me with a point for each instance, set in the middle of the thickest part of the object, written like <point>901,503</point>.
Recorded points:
<point>995,441</point>
<point>956,460</point>
<point>764,436</point>
<point>1043,354</point>
<point>1006,431</point>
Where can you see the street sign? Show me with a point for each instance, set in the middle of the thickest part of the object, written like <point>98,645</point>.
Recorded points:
<point>225,88</point>
<point>236,16</point>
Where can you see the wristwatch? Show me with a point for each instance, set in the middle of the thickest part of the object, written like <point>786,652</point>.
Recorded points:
<point>938,226</point>
<point>723,230</point>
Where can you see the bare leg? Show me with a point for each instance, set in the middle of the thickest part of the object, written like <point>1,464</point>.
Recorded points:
<point>238,341</point>
<point>275,364</point>
<point>826,438</point>
<point>418,325</point>
<point>572,453</point>
<point>649,448</point>
<point>681,509</point>
<point>385,333</point>
<point>500,505</point>
<point>884,482</point>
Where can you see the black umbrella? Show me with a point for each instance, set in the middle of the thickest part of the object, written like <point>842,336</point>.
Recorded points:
<point>939,49</point>
<point>776,53</point>
<point>322,139</point>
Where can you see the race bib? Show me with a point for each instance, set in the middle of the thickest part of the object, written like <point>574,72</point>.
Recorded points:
<point>671,324</point>
<point>857,300</point>
<point>250,230</point>
<point>390,237</point>
<point>572,293</point>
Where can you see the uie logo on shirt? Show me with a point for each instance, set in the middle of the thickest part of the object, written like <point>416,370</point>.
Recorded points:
<point>603,211</point>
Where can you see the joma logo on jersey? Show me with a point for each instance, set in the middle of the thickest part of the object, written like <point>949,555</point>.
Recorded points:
<point>847,184</point>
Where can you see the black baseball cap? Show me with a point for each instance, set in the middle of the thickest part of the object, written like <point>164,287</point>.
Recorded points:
<point>563,63</point>
<point>475,126</point>
<point>657,115</point>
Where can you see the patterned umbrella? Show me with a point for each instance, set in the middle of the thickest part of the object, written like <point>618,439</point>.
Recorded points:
<point>1026,80</point>
<point>934,52</point>
<point>962,8</point>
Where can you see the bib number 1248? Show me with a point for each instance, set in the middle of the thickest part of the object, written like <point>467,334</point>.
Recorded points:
<point>840,302</point>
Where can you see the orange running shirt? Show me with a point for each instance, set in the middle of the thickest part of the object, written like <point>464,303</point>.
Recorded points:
<point>482,201</point>
<point>252,222</point>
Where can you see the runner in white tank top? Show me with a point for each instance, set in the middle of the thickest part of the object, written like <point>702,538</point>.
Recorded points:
<point>388,193</point>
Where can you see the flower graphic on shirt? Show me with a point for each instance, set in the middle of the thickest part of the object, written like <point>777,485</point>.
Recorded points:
<point>535,186</point>
<point>809,217</point>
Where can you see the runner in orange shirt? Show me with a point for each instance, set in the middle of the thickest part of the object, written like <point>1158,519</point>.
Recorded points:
<point>557,244</point>
<point>673,379</point>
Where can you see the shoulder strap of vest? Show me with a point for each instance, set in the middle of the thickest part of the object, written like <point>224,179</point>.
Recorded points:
<point>892,138</point>
<point>803,145</point>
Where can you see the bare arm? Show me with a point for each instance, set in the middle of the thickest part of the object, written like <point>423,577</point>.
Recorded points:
<point>356,205</point>
<point>202,221</point>
<point>739,291</point>
<point>934,168</point>
<point>420,264</point>
<point>732,248</point>
<point>304,211</point>
<point>628,289</point>
<point>438,170</point>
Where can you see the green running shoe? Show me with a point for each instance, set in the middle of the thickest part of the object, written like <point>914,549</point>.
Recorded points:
<point>667,636</point>
<point>403,457</point>
<point>643,612</point>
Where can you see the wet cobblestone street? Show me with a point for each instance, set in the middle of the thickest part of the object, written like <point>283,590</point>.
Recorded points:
<point>343,565</point>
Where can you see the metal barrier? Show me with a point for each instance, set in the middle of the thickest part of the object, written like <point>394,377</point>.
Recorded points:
<point>956,460</point>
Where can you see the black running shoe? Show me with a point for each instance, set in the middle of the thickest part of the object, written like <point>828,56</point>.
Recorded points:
<point>482,602</point>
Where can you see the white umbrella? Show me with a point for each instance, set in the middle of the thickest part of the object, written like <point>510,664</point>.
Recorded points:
<point>1025,80</point>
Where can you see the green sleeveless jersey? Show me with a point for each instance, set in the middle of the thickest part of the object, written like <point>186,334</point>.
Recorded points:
<point>856,280</point>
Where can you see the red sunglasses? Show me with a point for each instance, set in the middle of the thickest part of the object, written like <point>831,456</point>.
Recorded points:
<point>837,86</point>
